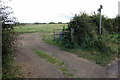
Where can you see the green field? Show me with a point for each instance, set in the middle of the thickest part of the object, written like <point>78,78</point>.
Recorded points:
<point>38,28</point>
<point>98,57</point>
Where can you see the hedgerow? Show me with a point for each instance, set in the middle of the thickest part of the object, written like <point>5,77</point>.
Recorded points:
<point>8,42</point>
<point>86,34</point>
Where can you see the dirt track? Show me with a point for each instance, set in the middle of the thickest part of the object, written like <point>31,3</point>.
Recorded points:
<point>35,67</point>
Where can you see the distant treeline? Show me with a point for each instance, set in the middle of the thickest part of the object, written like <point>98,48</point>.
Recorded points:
<point>40,23</point>
<point>50,23</point>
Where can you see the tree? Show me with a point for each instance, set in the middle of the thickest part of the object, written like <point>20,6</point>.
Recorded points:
<point>59,22</point>
<point>36,23</point>
<point>52,23</point>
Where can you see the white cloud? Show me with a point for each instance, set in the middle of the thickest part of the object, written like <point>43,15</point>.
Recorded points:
<point>59,10</point>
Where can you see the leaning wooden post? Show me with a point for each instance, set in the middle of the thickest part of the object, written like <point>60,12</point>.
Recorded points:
<point>72,37</point>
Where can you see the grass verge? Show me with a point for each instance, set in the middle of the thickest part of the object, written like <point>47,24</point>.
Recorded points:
<point>9,70</point>
<point>100,58</point>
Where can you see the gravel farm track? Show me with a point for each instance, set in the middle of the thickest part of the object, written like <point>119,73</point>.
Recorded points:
<point>32,66</point>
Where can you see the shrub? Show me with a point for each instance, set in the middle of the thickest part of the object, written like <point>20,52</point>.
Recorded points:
<point>84,31</point>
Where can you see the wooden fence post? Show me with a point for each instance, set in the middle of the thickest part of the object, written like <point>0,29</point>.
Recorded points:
<point>72,36</point>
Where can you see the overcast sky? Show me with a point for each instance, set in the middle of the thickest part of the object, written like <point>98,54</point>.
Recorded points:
<point>31,11</point>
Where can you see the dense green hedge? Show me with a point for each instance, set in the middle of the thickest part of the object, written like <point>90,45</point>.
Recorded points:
<point>8,42</point>
<point>8,50</point>
<point>8,38</point>
<point>86,32</point>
